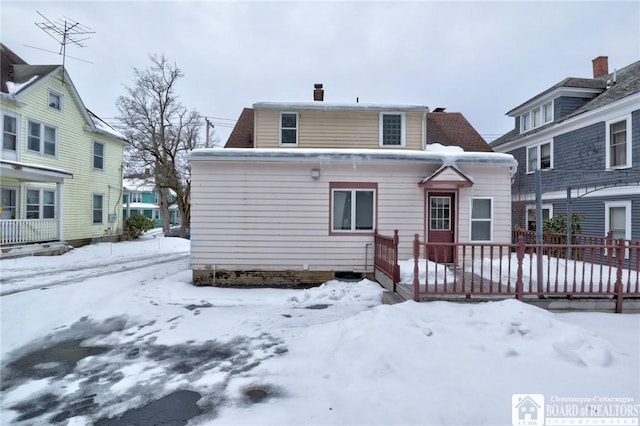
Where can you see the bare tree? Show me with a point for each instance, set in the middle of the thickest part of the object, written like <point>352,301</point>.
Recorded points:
<point>161,132</point>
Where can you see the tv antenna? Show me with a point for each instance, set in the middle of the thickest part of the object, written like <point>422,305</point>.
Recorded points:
<point>65,31</point>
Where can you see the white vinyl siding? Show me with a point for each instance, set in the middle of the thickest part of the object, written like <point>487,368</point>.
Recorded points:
<point>266,224</point>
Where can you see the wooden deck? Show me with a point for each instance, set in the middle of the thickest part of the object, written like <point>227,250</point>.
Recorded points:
<point>466,284</point>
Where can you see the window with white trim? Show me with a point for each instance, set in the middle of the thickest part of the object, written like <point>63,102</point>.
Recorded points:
<point>41,138</point>
<point>547,213</point>
<point>481,219</point>
<point>9,132</point>
<point>353,209</point>
<point>55,100</point>
<point>98,155</point>
<point>392,129</point>
<point>617,218</point>
<point>618,140</point>
<point>97,208</point>
<point>289,128</point>
<point>41,204</point>
<point>540,157</point>
<point>536,117</point>
<point>136,197</point>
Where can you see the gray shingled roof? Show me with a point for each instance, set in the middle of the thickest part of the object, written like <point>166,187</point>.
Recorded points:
<point>16,70</point>
<point>627,83</point>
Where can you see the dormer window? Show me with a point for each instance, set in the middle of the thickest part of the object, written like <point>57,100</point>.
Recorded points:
<point>392,129</point>
<point>536,117</point>
<point>288,128</point>
<point>55,100</point>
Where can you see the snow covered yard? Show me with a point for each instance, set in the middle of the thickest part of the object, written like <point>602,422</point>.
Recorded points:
<point>95,335</point>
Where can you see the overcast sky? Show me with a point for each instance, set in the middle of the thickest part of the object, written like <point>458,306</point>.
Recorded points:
<point>478,58</point>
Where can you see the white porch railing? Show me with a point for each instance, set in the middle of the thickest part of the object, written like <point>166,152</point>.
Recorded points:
<point>19,231</point>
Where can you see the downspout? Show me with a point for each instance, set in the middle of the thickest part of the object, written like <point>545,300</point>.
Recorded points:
<point>119,200</point>
<point>424,130</point>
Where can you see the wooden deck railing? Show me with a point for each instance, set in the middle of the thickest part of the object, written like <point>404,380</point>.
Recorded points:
<point>24,231</point>
<point>524,270</point>
<point>385,257</point>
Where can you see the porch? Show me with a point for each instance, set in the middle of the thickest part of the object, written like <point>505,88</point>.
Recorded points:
<point>605,273</point>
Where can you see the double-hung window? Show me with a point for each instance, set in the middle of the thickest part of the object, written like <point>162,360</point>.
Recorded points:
<point>288,128</point>
<point>136,197</point>
<point>353,207</point>
<point>481,219</point>
<point>539,157</point>
<point>98,155</point>
<point>618,219</point>
<point>536,117</point>
<point>41,204</point>
<point>392,129</point>
<point>547,213</point>
<point>97,208</point>
<point>41,138</point>
<point>618,139</point>
<point>55,100</point>
<point>9,132</point>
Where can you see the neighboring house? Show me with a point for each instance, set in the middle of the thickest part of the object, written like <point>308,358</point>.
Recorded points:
<point>61,166</point>
<point>140,195</point>
<point>297,201</point>
<point>583,134</point>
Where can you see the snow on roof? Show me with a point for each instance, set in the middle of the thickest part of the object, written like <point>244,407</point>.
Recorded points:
<point>139,185</point>
<point>14,88</point>
<point>443,155</point>
<point>354,106</point>
<point>104,128</point>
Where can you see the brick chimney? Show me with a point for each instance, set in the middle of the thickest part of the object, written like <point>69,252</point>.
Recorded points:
<point>600,66</point>
<point>318,92</point>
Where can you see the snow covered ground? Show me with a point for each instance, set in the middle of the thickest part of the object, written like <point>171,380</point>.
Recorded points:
<point>95,334</point>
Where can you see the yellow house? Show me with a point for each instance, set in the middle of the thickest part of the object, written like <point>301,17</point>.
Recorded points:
<point>60,165</point>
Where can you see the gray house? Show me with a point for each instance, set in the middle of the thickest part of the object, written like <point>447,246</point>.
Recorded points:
<point>583,134</point>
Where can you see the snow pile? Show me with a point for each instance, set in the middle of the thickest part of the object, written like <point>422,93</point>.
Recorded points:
<point>436,147</point>
<point>335,291</point>
<point>430,363</point>
<point>428,272</point>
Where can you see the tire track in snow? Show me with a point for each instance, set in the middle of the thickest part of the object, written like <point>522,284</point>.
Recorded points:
<point>91,271</point>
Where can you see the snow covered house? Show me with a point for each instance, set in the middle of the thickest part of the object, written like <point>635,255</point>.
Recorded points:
<point>300,202</point>
<point>140,196</point>
<point>583,134</point>
<point>61,165</point>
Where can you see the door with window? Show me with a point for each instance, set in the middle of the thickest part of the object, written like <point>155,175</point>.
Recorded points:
<point>441,221</point>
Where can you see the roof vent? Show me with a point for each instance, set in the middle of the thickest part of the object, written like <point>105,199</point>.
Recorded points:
<point>439,109</point>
